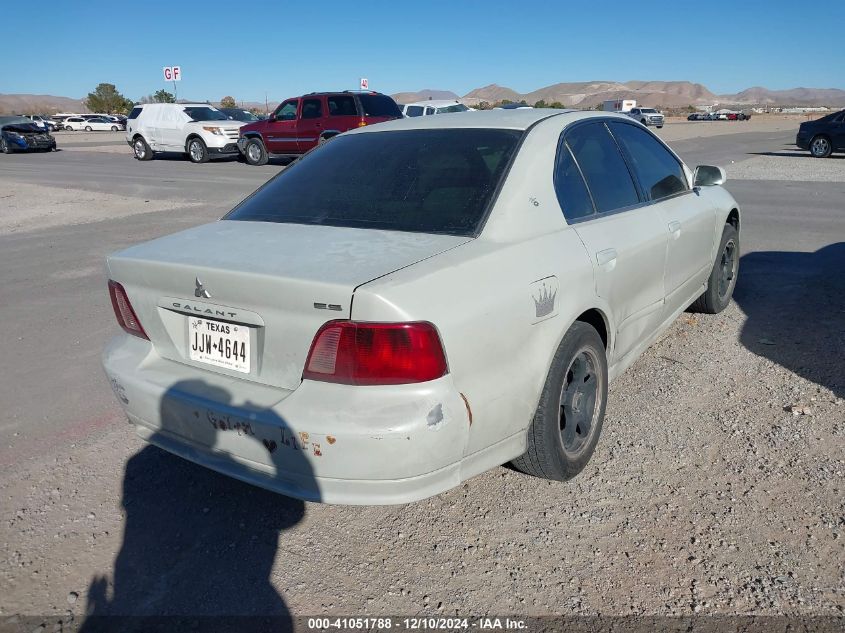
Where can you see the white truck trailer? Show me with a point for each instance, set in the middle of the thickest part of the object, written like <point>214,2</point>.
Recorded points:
<point>619,105</point>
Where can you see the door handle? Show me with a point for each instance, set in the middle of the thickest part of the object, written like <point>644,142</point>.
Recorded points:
<point>607,258</point>
<point>675,229</point>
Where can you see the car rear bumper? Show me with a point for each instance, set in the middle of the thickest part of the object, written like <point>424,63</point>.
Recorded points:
<point>320,442</point>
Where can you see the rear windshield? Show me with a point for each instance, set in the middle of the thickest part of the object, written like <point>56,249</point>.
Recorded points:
<point>428,181</point>
<point>379,105</point>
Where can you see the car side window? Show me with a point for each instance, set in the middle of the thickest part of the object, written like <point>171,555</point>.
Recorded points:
<point>659,172</point>
<point>413,110</point>
<point>287,111</point>
<point>572,193</point>
<point>312,109</point>
<point>340,105</point>
<point>429,111</point>
<point>604,169</point>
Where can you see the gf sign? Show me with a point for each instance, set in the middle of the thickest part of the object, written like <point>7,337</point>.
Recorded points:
<point>172,73</point>
<point>365,83</point>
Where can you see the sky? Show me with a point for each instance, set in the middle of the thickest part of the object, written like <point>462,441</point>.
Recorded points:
<point>288,47</point>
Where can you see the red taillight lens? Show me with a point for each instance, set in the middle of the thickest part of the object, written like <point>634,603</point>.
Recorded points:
<point>358,353</point>
<point>126,316</point>
<point>362,123</point>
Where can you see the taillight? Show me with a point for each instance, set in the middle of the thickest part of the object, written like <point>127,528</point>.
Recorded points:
<point>362,123</point>
<point>126,316</point>
<point>360,353</point>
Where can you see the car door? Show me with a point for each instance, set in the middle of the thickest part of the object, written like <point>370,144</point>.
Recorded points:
<point>838,132</point>
<point>171,128</point>
<point>342,113</point>
<point>309,125</point>
<point>623,237</point>
<point>281,132</point>
<point>687,217</point>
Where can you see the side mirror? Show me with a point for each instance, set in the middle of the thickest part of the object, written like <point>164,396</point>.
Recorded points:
<point>271,117</point>
<point>708,176</point>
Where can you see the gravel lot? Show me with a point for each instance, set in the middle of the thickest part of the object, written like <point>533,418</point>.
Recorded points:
<point>717,486</point>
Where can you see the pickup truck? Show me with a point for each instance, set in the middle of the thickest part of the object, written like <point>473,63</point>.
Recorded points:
<point>646,116</point>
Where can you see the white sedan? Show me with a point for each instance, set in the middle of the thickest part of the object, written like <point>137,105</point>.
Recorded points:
<point>93,124</point>
<point>414,303</point>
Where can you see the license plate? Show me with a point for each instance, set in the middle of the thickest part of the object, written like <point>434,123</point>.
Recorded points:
<point>217,343</point>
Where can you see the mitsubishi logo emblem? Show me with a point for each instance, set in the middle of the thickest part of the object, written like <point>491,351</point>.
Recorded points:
<point>200,291</point>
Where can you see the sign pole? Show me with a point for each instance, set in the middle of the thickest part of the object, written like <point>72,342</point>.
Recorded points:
<point>175,93</point>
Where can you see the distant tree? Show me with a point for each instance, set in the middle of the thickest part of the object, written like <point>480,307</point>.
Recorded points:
<point>483,105</point>
<point>256,111</point>
<point>540,104</point>
<point>162,96</point>
<point>505,102</point>
<point>106,98</point>
<point>524,102</point>
<point>228,102</point>
<point>558,105</point>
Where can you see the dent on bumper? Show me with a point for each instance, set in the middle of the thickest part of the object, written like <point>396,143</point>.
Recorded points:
<point>320,442</point>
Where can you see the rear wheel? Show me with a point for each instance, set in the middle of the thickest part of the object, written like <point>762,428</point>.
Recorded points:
<point>88,128</point>
<point>114,128</point>
<point>722,281</point>
<point>255,153</point>
<point>567,424</point>
<point>68,128</point>
<point>141,149</point>
<point>820,147</point>
<point>197,150</point>
<point>4,146</point>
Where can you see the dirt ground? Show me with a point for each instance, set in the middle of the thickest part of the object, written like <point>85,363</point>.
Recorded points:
<point>716,488</point>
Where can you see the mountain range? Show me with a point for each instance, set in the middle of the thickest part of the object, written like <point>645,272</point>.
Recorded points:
<point>584,94</point>
<point>666,94</point>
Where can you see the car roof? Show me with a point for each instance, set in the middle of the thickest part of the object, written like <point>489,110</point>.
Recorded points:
<point>502,119</point>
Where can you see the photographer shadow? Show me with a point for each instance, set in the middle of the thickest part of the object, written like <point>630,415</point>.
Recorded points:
<point>199,546</point>
<point>795,307</point>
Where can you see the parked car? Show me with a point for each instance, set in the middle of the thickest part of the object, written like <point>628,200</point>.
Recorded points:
<point>514,106</point>
<point>239,114</point>
<point>20,134</point>
<point>823,136</point>
<point>302,123</point>
<point>199,130</point>
<point>698,116</point>
<point>74,123</point>
<point>101,124</point>
<point>432,106</point>
<point>416,302</point>
<point>41,121</point>
<point>647,116</point>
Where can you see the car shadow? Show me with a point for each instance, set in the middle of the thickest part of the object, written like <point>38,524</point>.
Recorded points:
<point>199,546</point>
<point>796,312</point>
<point>796,153</point>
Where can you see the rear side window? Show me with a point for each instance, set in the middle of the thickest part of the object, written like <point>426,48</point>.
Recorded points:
<point>660,174</point>
<point>379,105</point>
<point>312,109</point>
<point>342,105</point>
<point>135,112</point>
<point>572,193</point>
<point>603,167</point>
<point>414,111</point>
<point>429,181</point>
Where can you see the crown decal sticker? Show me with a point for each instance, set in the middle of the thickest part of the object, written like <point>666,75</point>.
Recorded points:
<point>544,301</point>
<point>543,293</point>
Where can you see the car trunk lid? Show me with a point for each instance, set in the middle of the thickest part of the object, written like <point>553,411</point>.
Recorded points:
<point>263,288</point>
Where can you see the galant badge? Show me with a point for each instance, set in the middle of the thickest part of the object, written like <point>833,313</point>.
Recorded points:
<point>201,291</point>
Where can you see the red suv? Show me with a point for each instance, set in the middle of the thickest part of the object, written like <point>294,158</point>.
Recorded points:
<point>302,123</point>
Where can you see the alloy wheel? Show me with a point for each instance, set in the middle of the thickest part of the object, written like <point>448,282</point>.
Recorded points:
<point>140,150</point>
<point>727,268</point>
<point>820,146</point>
<point>580,399</point>
<point>253,152</point>
<point>196,151</point>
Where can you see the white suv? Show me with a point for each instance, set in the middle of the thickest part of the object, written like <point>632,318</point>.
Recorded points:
<point>199,130</point>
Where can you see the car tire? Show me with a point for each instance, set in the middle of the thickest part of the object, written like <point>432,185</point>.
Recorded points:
<point>644,122</point>
<point>255,153</point>
<point>723,276</point>
<point>659,127</point>
<point>820,146</point>
<point>141,150</point>
<point>114,128</point>
<point>558,447</point>
<point>5,148</point>
<point>88,128</point>
<point>68,128</point>
<point>197,150</point>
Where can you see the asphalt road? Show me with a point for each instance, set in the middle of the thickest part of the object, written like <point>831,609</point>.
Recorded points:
<point>55,310</point>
